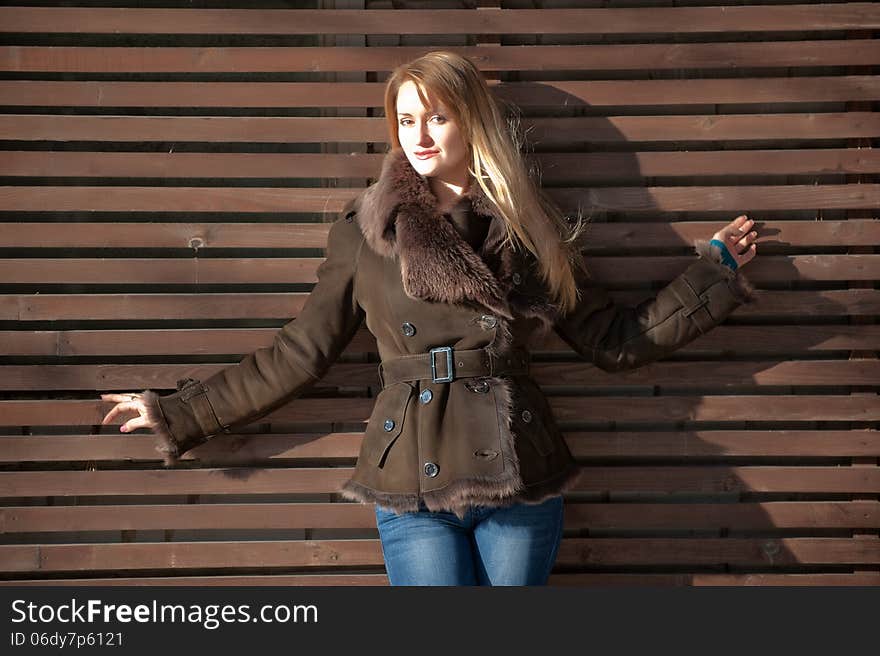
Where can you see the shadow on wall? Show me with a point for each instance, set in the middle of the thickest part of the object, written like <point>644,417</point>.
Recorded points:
<point>692,446</point>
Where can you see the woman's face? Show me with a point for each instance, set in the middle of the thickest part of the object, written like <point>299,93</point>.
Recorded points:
<point>432,131</point>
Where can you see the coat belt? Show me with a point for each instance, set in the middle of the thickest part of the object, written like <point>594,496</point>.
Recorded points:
<point>444,364</point>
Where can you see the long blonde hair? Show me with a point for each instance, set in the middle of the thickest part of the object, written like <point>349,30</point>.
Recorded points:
<point>497,165</point>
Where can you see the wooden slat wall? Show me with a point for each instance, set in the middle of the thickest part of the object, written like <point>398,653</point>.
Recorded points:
<point>167,177</point>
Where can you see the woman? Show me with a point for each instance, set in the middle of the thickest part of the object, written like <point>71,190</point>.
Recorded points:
<point>458,264</point>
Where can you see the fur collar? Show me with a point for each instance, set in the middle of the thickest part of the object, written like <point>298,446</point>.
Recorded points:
<point>399,218</point>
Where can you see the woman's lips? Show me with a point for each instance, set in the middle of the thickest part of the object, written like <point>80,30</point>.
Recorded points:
<point>427,155</point>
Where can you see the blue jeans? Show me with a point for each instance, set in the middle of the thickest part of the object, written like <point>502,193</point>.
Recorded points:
<point>515,545</point>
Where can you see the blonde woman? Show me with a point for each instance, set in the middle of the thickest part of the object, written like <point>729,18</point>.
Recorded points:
<point>457,263</point>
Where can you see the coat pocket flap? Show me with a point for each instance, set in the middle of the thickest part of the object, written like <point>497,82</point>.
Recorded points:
<point>386,422</point>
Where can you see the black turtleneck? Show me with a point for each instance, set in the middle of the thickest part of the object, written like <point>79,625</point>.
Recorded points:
<point>472,227</point>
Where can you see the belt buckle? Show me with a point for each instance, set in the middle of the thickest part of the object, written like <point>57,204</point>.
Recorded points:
<point>449,376</point>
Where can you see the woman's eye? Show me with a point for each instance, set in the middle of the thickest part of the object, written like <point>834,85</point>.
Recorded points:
<point>406,121</point>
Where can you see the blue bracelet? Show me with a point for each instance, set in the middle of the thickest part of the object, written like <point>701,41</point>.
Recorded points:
<point>726,257</point>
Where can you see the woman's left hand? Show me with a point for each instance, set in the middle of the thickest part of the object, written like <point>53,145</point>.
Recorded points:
<point>739,241</point>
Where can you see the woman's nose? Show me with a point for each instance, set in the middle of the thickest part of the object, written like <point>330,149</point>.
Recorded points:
<point>425,137</point>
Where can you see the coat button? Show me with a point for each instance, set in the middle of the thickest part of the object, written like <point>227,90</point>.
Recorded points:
<point>408,329</point>
<point>389,425</point>
<point>431,469</point>
<point>526,416</point>
<point>517,279</point>
<point>426,396</point>
<point>488,321</point>
<point>480,386</point>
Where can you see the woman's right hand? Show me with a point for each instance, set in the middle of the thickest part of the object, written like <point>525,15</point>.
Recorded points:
<point>129,402</point>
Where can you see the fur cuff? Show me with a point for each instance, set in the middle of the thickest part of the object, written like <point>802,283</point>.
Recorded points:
<point>742,288</point>
<point>165,442</point>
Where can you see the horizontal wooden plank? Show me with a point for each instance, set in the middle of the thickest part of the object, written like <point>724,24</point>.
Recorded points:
<point>718,375</point>
<point>333,200</point>
<point>767,18</point>
<point>135,483</point>
<point>571,168</point>
<point>593,579</point>
<point>341,579</point>
<point>765,268</point>
<point>202,236</point>
<point>556,580</point>
<point>557,168</point>
<point>702,479</point>
<point>233,449</point>
<point>294,270</point>
<point>278,516</point>
<point>715,374</point>
<point>179,199</point>
<point>718,443</point>
<point>161,270</point>
<point>102,376</point>
<point>713,127</point>
<point>550,130</point>
<point>239,449</point>
<point>283,306</point>
<point>182,556</point>
<point>731,199</point>
<point>673,408</point>
<point>732,339</point>
<point>259,59</point>
<point>855,407</point>
<point>189,555</point>
<point>707,480</point>
<point>549,93</point>
<point>767,339</point>
<point>250,516</point>
<point>661,234</point>
<point>804,515</point>
<point>705,551</point>
<point>186,341</point>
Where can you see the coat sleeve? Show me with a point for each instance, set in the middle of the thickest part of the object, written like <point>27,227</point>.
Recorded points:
<point>266,379</point>
<point>616,337</point>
